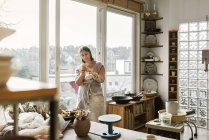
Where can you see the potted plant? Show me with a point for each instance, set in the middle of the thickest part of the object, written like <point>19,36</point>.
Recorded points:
<point>81,123</point>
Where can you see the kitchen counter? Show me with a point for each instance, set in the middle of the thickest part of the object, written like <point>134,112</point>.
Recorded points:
<point>97,128</point>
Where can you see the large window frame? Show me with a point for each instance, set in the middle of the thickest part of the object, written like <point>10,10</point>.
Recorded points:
<point>101,40</point>
<point>133,52</point>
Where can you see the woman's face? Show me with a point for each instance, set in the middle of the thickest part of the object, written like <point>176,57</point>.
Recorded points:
<point>85,56</point>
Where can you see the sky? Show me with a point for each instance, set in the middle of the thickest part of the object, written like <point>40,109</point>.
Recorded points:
<point>78,24</point>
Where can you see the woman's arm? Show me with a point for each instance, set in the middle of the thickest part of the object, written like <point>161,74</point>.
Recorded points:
<point>80,76</point>
<point>100,76</point>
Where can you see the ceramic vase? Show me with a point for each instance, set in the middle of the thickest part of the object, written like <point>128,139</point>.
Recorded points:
<point>81,127</point>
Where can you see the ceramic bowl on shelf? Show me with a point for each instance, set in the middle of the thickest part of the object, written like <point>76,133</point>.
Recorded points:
<point>150,94</point>
<point>135,96</point>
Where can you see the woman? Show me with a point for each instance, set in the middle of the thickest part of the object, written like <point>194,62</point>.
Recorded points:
<point>89,77</point>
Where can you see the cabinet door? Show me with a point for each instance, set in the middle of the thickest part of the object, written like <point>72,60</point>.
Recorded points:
<point>114,109</point>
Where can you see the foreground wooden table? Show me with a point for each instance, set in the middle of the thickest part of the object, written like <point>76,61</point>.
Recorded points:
<point>23,90</point>
<point>97,128</point>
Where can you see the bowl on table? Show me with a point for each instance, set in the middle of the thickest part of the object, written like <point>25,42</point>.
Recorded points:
<point>136,97</point>
<point>150,94</point>
<point>122,99</point>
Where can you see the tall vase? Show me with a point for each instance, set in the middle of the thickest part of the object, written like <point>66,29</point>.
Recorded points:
<point>81,127</point>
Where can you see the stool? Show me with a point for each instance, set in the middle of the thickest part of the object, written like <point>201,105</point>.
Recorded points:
<point>109,119</point>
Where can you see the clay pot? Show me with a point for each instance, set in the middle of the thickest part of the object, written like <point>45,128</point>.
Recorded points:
<point>81,127</point>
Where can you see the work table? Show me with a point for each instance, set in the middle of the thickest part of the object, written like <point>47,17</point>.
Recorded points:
<point>97,128</point>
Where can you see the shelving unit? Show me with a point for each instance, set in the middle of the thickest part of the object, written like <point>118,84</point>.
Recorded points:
<point>150,28</point>
<point>173,65</point>
<point>134,114</point>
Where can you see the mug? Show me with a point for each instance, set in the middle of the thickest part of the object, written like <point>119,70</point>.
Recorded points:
<point>173,73</point>
<point>172,88</point>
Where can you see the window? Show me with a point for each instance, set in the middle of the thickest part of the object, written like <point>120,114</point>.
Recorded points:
<point>78,27</point>
<point>120,46</point>
<point>193,80</point>
<point>24,43</point>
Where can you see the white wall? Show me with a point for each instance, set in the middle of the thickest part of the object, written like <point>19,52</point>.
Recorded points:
<point>173,13</point>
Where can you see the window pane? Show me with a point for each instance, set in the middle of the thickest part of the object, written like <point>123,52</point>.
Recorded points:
<point>193,74</point>
<point>183,36</point>
<point>203,93</point>
<point>183,55</point>
<point>203,25</point>
<point>183,64</point>
<point>192,55</point>
<point>192,102</point>
<point>193,46</point>
<point>203,35</point>
<point>24,43</point>
<point>202,45</point>
<point>183,27</point>
<point>202,103</point>
<point>78,24</point>
<point>183,45</point>
<point>183,83</point>
<point>193,36</point>
<point>183,92</point>
<point>193,26</point>
<point>183,73</point>
<point>192,64</point>
<point>119,53</point>
<point>192,83</point>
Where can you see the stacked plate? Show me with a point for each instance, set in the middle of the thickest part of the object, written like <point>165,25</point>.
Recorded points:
<point>5,69</point>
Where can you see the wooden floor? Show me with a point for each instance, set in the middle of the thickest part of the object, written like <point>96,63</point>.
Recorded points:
<point>203,134</point>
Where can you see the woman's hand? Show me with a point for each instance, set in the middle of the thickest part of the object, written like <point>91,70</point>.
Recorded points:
<point>95,75</point>
<point>82,69</point>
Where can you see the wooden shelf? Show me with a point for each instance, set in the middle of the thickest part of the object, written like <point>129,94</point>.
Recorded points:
<point>152,46</point>
<point>173,54</point>
<point>172,84</point>
<point>174,38</point>
<point>172,69</point>
<point>151,74</point>
<point>152,19</point>
<point>172,91</point>
<point>140,126</point>
<point>139,114</point>
<point>152,61</point>
<point>151,33</point>
<point>173,46</point>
